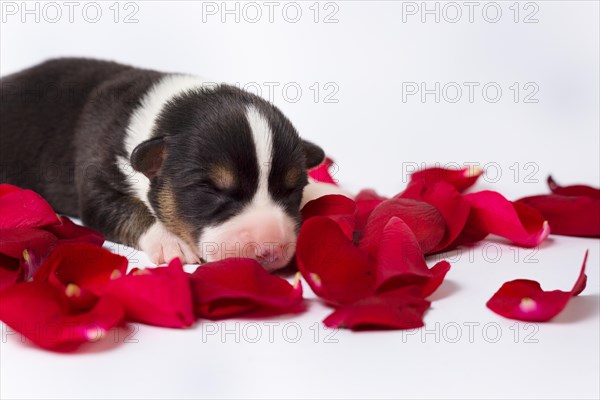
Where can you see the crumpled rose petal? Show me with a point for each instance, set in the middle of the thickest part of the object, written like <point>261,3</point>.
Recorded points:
<point>321,172</point>
<point>156,296</point>
<point>461,179</point>
<point>337,207</point>
<point>451,205</point>
<point>24,209</point>
<point>524,299</point>
<point>568,215</point>
<point>336,270</point>
<point>68,231</point>
<point>398,309</point>
<point>492,213</point>
<point>399,259</point>
<point>342,273</point>
<point>241,287</point>
<point>82,271</point>
<point>423,219</point>
<point>574,190</point>
<point>40,312</point>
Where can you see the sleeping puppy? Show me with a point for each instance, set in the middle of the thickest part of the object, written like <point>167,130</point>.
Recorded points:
<point>166,163</point>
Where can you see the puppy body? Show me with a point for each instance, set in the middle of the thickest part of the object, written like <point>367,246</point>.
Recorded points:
<point>163,162</point>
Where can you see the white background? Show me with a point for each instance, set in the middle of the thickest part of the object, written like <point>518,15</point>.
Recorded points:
<point>377,133</point>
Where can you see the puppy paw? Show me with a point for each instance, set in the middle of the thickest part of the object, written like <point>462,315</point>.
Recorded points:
<point>161,246</point>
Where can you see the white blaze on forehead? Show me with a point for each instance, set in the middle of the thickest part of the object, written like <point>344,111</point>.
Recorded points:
<point>143,120</point>
<point>263,143</point>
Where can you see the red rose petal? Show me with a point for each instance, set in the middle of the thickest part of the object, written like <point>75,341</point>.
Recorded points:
<point>240,286</point>
<point>492,213</point>
<point>321,172</point>
<point>366,201</point>
<point>461,179</point>
<point>5,188</point>
<point>30,246</point>
<point>68,231</point>
<point>451,205</point>
<point>156,296</point>
<point>399,259</point>
<point>438,273</point>
<point>574,190</point>
<point>399,309</point>
<point>368,195</point>
<point>24,209</point>
<point>84,264</point>
<point>581,281</point>
<point>82,271</point>
<point>14,241</point>
<point>423,219</point>
<point>364,208</point>
<point>40,312</point>
<point>568,215</point>
<point>337,207</point>
<point>524,300</point>
<point>335,269</point>
<point>10,271</point>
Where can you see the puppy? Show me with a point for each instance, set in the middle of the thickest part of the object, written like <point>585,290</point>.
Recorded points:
<point>167,163</point>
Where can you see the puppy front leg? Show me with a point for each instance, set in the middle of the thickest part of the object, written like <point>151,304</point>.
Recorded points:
<point>127,220</point>
<point>162,246</point>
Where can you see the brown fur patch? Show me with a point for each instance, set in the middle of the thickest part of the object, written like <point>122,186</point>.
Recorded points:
<point>171,218</point>
<point>223,177</point>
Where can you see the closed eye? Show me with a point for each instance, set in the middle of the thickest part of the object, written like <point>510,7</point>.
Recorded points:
<point>210,186</point>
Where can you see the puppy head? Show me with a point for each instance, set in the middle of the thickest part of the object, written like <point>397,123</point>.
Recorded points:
<point>227,172</point>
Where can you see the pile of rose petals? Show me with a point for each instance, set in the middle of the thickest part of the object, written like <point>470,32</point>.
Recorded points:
<point>364,257</point>
<point>29,231</point>
<point>375,277</point>
<point>59,288</point>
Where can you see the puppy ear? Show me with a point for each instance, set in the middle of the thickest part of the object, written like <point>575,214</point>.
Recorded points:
<point>148,157</point>
<point>314,154</point>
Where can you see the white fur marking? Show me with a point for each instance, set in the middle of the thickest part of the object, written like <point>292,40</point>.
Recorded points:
<point>263,143</point>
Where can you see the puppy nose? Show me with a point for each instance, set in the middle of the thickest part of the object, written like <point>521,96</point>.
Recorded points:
<point>269,255</point>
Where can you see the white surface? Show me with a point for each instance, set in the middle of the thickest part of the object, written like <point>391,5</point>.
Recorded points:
<point>375,137</point>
